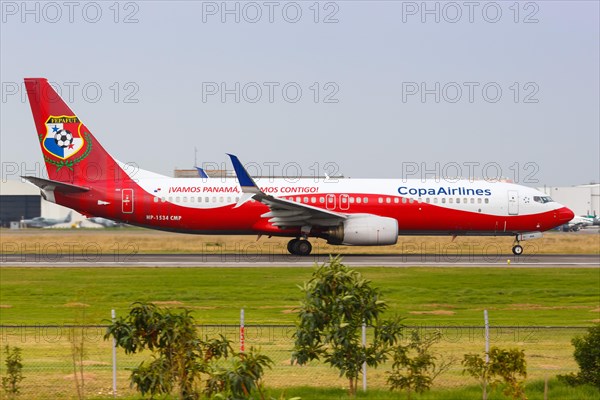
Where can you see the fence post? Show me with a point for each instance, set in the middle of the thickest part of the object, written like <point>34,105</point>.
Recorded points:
<point>114,357</point>
<point>242,332</point>
<point>487,348</point>
<point>364,366</point>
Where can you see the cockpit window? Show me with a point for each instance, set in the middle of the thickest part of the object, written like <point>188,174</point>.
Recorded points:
<point>543,199</point>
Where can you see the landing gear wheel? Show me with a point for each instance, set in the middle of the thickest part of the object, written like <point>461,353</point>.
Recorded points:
<point>291,244</point>
<point>299,247</point>
<point>517,250</point>
<point>303,247</point>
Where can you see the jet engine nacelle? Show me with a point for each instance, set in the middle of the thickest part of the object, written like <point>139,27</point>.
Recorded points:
<point>365,230</point>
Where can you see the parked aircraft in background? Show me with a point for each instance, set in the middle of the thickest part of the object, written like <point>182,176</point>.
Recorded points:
<point>579,222</point>
<point>105,222</point>
<point>363,212</point>
<point>41,222</point>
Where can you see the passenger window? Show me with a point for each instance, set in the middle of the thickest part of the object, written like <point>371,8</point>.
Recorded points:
<point>228,199</point>
<point>457,201</point>
<point>388,200</point>
<point>351,200</point>
<point>479,200</point>
<point>404,200</point>
<point>487,201</point>
<point>185,199</point>
<point>428,200</point>
<point>435,200</point>
<point>206,199</point>
<point>366,200</point>
<point>156,199</point>
<point>358,200</point>
<point>177,199</point>
<point>321,200</point>
<point>306,200</point>
<point>443,200</point>
<point>472,200</point>
<point>450,200</point>
<point>380,200</point>
<point>313,200</point>
<point>396,200</point>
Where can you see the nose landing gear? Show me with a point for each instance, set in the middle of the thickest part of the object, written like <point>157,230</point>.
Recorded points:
<point>517,249</point>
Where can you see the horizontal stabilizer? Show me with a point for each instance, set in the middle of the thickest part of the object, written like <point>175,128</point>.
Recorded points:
<point>47,184</point>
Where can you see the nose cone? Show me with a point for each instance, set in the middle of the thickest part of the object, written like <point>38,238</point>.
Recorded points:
<point>565,215</point>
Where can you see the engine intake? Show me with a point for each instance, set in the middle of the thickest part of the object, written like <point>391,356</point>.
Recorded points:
<point>364,230</point>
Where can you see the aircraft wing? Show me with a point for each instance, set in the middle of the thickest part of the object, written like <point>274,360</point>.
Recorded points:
<point>283,213</point>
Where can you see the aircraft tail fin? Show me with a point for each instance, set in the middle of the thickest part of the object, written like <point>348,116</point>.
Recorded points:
<point>68,217</point>
<point>71,153</point>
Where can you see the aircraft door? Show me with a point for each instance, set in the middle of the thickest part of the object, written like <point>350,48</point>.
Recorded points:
<point>330,201</point>
<point>513,202</point>
<point>127,201</point>
<point>344,202</point>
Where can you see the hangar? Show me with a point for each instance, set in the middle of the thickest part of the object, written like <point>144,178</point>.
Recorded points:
<point>584,200</point>
<point>21,200</point>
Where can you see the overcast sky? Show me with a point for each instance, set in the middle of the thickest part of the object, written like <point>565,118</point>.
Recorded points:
<point>376,89</point>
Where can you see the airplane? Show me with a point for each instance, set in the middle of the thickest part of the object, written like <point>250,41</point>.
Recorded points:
<point>41,222</point>
<point>202,173</point>
<point>579,222</point>
<point>105,222</point>
<point>360,212</point>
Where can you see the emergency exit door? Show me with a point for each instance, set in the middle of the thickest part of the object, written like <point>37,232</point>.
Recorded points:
<point>127,201</point>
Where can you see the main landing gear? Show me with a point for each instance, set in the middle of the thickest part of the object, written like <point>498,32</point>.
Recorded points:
<point>299,247</point>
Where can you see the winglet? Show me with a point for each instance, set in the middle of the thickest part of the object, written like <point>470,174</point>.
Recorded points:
<point>202,173</point>
<point>243,176</point>
<point>249,187</point>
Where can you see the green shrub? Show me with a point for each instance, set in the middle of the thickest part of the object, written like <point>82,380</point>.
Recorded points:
<point>587,356</point>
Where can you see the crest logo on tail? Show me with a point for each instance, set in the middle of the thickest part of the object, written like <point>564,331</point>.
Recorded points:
<point>65,137</point>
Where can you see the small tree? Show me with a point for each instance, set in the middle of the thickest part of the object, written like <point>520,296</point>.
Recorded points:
<point>240,379</point>
<point>587,356</point>
<point>14,371</point>
<point>504,367</point>
<point>337,302</point>
<point>180,357</point>
<point>415,366</point>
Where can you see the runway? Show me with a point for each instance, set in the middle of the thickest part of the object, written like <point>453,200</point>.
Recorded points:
<point>286,260</point>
